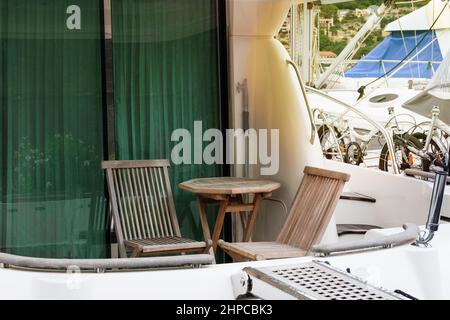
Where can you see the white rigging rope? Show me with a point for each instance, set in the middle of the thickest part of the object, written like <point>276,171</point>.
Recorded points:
<point>404,41</point>
<point>439,85</point>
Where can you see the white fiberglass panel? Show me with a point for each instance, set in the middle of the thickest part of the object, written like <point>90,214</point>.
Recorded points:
<point>422,273</point>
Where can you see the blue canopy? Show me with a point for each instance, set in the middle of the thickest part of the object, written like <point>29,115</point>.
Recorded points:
<point>394,48</point>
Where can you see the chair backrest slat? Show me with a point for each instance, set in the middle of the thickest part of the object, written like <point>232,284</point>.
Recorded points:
<point>312,208</point>
<point>140,209</point>
<point>152,213</point>
<point>159,213</point>
<point>144,204</point>
<point>164,199</point>
<point>141,199</point>
<point>171,203</point>
<point>122,199</point>
<point>132,201</point>
<point>160,198</point>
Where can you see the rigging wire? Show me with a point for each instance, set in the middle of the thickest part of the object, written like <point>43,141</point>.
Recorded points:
<point>404,42</point>
<point>362,89</point>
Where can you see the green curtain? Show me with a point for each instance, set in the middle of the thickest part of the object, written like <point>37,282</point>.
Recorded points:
<point>52,200</point>
<point>165,78</point>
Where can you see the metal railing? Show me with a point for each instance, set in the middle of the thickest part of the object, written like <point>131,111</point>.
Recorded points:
<point>339,69</point>
<point>382,129</point>
<point>102,265</point>
<point>381,61</point>
<point>408,236</point>
<point>308,106</point>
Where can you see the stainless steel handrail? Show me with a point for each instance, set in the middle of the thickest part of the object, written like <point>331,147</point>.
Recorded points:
<point>408,236</point>
<point>382,129</point>
<point>355,61</point>
<point>308,106</point>
<point>9,260</point>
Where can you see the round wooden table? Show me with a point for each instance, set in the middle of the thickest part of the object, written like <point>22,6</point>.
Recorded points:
<point>229,193</point>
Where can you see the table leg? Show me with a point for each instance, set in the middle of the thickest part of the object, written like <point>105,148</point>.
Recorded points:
<point>243,214</point>
<point>252,218</point>
<point>244,219</point>
<point>219,222</point>
<point>204,222</point>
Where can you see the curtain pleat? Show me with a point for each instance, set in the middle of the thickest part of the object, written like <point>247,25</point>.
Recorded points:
<point>52,201</point>
<point>166,77</point>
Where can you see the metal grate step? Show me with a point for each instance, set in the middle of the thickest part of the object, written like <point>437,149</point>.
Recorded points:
<point>309,281</point>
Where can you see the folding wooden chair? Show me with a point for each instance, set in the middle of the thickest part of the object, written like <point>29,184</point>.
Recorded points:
<point>144,211</point>
<point>308,218</point>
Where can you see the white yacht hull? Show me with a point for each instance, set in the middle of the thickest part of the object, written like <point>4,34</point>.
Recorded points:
<point>419,272</point>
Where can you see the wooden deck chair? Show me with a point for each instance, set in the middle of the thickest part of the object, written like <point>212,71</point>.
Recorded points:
<point>144,211</point>
<point>310,214</point>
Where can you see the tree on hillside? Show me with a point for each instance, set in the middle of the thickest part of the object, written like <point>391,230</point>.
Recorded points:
<point>347,28</point>
<point>326,44</point>
<point>350,18</point>
<point>360,4</point>
<point>386,21</point>
<point>329,11</point>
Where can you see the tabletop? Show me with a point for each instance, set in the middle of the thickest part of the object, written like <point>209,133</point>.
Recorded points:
<point>229,185</point>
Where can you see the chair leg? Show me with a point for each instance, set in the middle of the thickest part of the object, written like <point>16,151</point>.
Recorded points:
<point>252,219</point>
<point>136,253</point>
<point>205,226</point>
<point>209,250</point>
<point>244,220</point>
<point>219,223</point>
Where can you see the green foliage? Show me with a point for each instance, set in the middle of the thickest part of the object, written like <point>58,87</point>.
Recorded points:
<point>329,11</point>
<point>326,44</point>
<point>349,17</point>
<point>364,4</point>
<point>360,4</point>
<point>386,21</point>
<point>351,23</point>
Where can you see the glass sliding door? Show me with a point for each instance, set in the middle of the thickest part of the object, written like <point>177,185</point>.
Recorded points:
<point>166,76</point>
<point>52,201</point>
